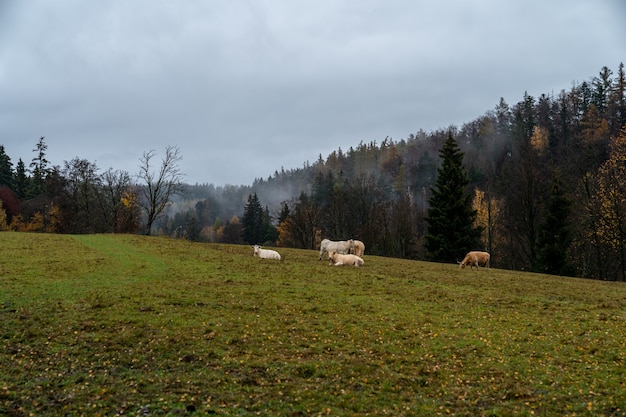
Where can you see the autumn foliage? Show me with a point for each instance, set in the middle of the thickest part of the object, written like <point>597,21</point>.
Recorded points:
<point>381,191</point>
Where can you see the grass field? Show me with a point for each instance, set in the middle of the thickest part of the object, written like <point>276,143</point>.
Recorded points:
<point>138,326</point>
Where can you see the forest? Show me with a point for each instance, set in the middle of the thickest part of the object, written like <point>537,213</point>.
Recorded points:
<point>546,179</point>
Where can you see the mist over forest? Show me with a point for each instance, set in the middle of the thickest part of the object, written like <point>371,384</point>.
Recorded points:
<point>519,157</point>
<point>514,154</point>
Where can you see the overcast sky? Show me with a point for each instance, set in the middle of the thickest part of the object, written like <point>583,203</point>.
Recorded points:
<point>245,87</point>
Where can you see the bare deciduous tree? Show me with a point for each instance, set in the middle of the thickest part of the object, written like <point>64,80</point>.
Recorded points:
<point>118,201</point>
<point>158,188</point>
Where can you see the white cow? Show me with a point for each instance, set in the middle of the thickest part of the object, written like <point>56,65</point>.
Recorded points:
<point>358,247</point>
<point>338,259</point>
<point>476,258</point>
<point>266,253</point>
<point>340,246</point>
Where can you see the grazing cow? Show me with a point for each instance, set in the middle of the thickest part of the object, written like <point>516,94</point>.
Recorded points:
<point>357,248</point>
<point>476,258</point>
<point>338,259</point>
<point>341,246</point>
<point>266,253</point>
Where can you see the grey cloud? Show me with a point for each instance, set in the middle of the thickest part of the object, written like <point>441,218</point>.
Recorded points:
<point>272,84</point>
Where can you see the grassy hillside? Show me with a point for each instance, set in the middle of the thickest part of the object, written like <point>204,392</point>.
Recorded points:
<point>131,325</point>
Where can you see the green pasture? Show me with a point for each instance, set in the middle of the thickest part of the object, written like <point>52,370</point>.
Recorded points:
<point>143,326</point>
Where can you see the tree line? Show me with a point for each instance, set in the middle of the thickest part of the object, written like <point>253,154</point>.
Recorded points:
<point>545,181</point>
<point>542,177</point>
<point>76,198</point>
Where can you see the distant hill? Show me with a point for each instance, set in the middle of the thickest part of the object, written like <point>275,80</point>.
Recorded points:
<point>516,157</point>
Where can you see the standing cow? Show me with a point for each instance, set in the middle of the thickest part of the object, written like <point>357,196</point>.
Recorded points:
<point>341,246</point>
<point>476,258</point>
<point>357,248</point>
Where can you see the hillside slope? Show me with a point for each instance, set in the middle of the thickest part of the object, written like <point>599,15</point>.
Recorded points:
<point>128,325</point>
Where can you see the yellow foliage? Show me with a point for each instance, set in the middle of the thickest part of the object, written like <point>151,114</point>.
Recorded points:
<point>35,224</point>
<point>3,218</point>
<point>595,129</point>
<point>285,238</point>
<point>612,193</point>
<point>487,214</point>
<point>55,219</point>
<point>219,234</point>
<point>129,199</point>
<point>209,234</point>
<point>17,223</point>
<point>539,139</point>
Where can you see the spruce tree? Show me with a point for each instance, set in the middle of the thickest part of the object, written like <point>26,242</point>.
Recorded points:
<point>22,181</point>
<point>555,236</point>
<point>6,169</point>
<point>284,213</point>
<point>39,168</point>
<point>252,221</point>
<point>450,219</point>
<point>269,231</point>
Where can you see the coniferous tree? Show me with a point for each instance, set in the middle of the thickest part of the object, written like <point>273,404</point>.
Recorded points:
<point>322,188</point>
<point>523,186</point>
<point>617,102</point>
<point>21,179</point>
<point>252,221</point>
<point>284,212</point>
<point>39,168</point>
<point>602,90</point>
<point>6,169</point>
<point>554,235</point>
<point>450,219</point>
<point>268,230</point>
<point>193,229</point>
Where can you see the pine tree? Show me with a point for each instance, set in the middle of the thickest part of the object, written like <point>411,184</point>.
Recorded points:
<point>252,221</point>
<point>22,181</point>
<point>554,235</point>
<point>450,219</point>
<point>6,169</point>
<point>322,188</point>
<point>284,213</point>
<point>39,168</point>
<point>268,230</point>
<point>617,102</point>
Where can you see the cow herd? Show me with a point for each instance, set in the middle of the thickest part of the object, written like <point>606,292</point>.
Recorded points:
<point>342,247</point>
<point>350,252</point>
